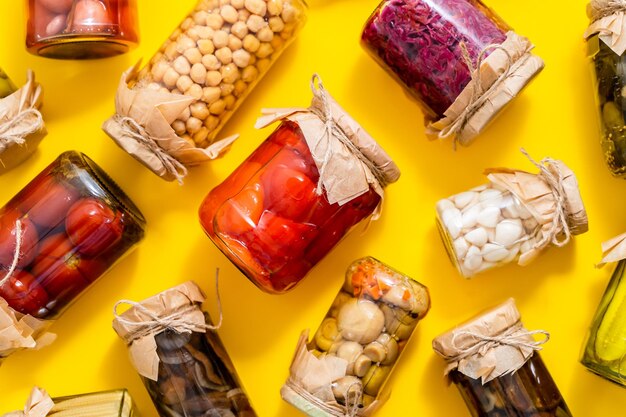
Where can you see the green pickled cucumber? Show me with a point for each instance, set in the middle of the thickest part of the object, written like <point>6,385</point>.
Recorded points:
<point>611,335</point>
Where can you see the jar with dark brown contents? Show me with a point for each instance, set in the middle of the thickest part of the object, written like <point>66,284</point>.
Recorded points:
<point>494,363</point>
<point>190,374</point>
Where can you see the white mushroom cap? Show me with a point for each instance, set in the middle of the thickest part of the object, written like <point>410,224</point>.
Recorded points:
<point>360,321</point>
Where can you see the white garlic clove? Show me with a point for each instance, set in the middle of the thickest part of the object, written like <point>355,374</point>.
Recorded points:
<point>463,199</point>
<point>360,321</point>
<point>473,259</point>
<point>477,237</point>
<point>509,231</point>
<point>470,216</point>
<point>444,204</point>
<point>453,220</point>
<point>513,253</point>
<point>494,253</point>
<point>490,197</point>
<point>460,247</point>
<point>509,207</point>
<point>489,216</point>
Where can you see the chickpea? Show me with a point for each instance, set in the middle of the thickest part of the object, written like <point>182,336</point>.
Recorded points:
<point>238,4</point>
<point>216,108</point>
<point>275,7</point>
<point>211,94</point>
<point>183,43</point>
<point>214,21</point>
<point>241,58</point>
<point>181,65</point>
<point>234,43</point>
<point>276,24</point>
<point>220,39</point>
<point>240,88</point>
<point>213,78</point>
<point>212,122</point>
<point>193,55</point>
<point>265,50</point>
<point>179,127</point>
<point>205,32</point>
<point>277,43</point>
<point>198,73</point>
<point>199,110</point>
<point>211,63</point>
<point>230,73</point>
<point>185,115</point>
<point>187,23</point>
<point>226,89</point>
<point>205,46</point>
<point>201,135</point>
<point>170,78</point>
<point>257,7</point>
<point>239,29</point>
<point>230,102</point>
<point>251,43</point>
<point>263,64</point>
<point>183,83</point>
<point>225,55</point>
<point>193,125</point>
<point>194,91</point>
<point>170,51</point>
<point>265,34</point>
<point>158,70</point>
<point>188,139</point>
<point>249,74</point>
<point>243,15</point>
<point>256,23</point>
<point>200,17</point>
<point>229,14</point>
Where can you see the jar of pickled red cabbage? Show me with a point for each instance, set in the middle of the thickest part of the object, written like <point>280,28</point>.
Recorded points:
<point>169,113</point>
<point>180,357</point>
<point>359,342</point>
<point>605,346</point>
<point>58,235</point>
<point>512,218</point>
<point>606,46</point>
<point>493,361</point>
<point>81,29</point>
<point>286,206</point>
<point>455,57</point>
<point>21,124</point>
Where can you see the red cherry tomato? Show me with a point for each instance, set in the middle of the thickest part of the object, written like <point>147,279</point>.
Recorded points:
<point>8,239</point>
<point>240,213</point>
<point>24,294</point>
<point>289,193</point>
<point>293,159</point>
<point>62,271</point>
<point>47,202</point>
<point>90,16</point>
<point>57,6</point>
<point>277,241</point>
<point>93,227</point>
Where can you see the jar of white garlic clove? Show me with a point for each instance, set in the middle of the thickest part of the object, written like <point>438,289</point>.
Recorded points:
<point>512,218</point>
<point>198,79</point>
<point>358,343</point>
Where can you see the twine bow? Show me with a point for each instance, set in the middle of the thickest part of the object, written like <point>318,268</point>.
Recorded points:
<point>332,130</point>
<point>177,321</point>
<point>599,9</point>
<point>515,336</point>
<point>559,220</point>
<point>16,255</point>
<point>134,130</point>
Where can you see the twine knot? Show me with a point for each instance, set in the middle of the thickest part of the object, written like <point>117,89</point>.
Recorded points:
<point>134,130</point>
<point>178,321</point>
<point>333,130</point>
<point>16,129</point>
<point>559,220</point>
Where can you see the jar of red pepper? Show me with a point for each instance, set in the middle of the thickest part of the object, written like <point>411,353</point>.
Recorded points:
<point>456,57</point>
<point>57,236</point>
<point>79,29</point>
<point>286,206</point>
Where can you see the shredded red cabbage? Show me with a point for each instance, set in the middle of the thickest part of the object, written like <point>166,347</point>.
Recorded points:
<point>418,41</point>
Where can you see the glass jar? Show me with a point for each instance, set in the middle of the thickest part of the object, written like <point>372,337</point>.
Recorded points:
<point>605,347</point>
<point>492,360</point>
<point>359,341</point>
<point>75,223</point>
<point>117,403</point>
<point>189,373</point>
<point>214,58</point>
<point>6,85</point>
<point>274,217</point>
<point>426,45</point>
<point>512,218</point>
<point>81,29</point>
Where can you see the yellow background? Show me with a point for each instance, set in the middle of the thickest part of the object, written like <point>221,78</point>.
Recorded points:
<point>555,116</point>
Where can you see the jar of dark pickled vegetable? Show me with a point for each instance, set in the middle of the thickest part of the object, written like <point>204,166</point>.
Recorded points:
<point>605,347</point>
<point>359,342</point>
<point>21,124</point>
<point>493,361</point>
<point>606,44</point>
<point>286,206</point>
<point>455,57</point>
<point>80,29</point>
<point>58,235</point>
<point>180,358</point>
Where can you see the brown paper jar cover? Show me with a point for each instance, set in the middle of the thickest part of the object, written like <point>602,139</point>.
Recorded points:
<point>180,357</point>
<point>58,235</point>
<point>169,113</point>
<point>343,369</point>
<point>493,361</point>
<point>81,29</point>
<point>294,198</point>
<point>513,218</point>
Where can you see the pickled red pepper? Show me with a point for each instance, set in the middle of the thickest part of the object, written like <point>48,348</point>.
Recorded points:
<point>606,42</point>
<point>433,47</point>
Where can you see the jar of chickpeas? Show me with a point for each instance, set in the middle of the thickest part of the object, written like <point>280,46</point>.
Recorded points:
<point>198,78</point>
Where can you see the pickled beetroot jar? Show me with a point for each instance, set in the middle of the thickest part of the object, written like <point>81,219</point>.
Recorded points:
<point>433,48</point>
<point>79,29</point>
<point>274,217</point>
<point>67,227</point>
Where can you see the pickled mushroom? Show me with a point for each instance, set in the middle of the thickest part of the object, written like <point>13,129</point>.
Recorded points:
<point>347,389</point>
<point>327,334</point>
<point>349,351</point>
<point>360,321</point>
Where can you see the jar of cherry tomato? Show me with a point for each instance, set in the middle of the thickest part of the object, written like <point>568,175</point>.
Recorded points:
<point>80,29</point>
<point>286,206</point>
<point>63,231</point>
